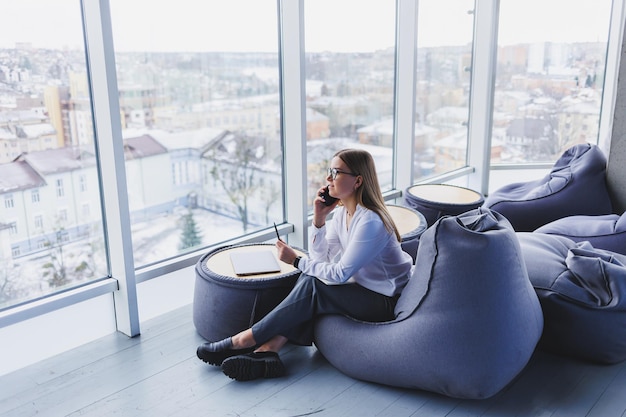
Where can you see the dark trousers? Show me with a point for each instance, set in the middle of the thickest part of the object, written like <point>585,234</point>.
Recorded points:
<point>310,297</point>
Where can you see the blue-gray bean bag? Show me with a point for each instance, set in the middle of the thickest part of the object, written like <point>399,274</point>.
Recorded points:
<point>576,185</point>
<point>582,291</point>
<point>466,324</point>
<point>602,232</point>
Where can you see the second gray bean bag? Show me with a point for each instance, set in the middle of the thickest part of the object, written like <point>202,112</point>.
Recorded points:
<point>467,322</point>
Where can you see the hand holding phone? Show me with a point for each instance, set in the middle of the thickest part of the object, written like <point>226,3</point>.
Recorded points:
<point>328,199</point>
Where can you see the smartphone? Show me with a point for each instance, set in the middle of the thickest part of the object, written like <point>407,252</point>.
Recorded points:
<point>276,230</point>
<point>328,200</point>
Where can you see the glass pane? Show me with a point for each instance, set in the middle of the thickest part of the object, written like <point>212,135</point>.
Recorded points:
<point>51,235</point>
<point>199,96</point>
<point>444,54</point>
<point>549,79</point>
<point>350,64</point>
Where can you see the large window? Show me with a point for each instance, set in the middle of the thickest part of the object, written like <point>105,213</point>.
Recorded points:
<point>201,101</point>
<point>550,77</point>
<point>51,235</point>
<point>444,58</point>
<point>350,64</point>
<point>199,96</point>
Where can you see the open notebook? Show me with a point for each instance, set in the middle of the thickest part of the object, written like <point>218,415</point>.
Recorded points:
<point>254,262</point>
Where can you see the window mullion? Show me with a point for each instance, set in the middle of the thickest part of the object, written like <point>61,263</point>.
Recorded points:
<point>111,165</point>
<point>406,73</point>
<point>484,55</point>
<point>294,118</point>
<point>610,88</point>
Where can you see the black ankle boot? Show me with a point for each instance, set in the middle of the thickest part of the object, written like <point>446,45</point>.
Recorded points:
<point>219,346</point>
<point>214,353</point>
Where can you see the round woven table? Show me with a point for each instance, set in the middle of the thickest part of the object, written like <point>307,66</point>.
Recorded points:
<point>437,200</point>
<point>225,303</point>
<point>411,224</point>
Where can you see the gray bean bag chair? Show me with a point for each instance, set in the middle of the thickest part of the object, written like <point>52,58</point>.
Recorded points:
<point>606,232</point>
<point>582,291</point>
<point>576,185</point>
<point>467,322</point>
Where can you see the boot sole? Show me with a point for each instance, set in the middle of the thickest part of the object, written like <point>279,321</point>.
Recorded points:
<point>246,367</point>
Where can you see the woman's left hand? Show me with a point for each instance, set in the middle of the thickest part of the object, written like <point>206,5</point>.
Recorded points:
<point>285,252</point>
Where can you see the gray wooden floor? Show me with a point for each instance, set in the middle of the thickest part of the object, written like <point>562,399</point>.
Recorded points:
<point>158,374</point>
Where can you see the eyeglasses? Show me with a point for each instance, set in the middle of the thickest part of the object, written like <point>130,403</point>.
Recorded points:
<point>333,172</point>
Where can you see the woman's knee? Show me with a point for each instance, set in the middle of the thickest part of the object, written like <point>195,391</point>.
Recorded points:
<point>305,278</point>
<point>305,283</point>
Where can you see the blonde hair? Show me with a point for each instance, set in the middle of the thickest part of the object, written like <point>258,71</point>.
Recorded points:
<point>368,194</point>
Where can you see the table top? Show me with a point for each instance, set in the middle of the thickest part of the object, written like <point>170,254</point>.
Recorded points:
<point>443,193</point>
<point>406,220</point>
<point>221,264</point>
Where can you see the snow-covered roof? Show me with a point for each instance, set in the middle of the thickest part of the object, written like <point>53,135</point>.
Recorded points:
<point>58,160</point>
<point>17,176</point>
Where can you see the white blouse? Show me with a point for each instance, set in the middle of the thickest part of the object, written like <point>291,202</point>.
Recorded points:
<point>366,253</point>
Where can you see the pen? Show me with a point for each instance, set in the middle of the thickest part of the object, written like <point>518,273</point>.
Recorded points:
<point>276,230</point>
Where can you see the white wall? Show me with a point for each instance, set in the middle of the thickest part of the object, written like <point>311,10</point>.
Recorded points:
<point>44,336</point>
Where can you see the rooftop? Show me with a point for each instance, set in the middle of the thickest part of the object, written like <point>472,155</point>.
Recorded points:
<point>18,176</point>
<point>53,161</point>
<point>142,146</point>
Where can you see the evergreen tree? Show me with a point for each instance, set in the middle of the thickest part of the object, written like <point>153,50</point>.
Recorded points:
<point>191,235</point>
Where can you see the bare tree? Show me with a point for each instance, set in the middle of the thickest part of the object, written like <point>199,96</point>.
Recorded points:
<point>55,270</point>
<point>269,197</point>
<point>65,266</point>
<point>237,162</point>
<point>9,288</point>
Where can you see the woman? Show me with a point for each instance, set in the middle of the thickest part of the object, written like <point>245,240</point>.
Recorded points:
<point>359,249</point>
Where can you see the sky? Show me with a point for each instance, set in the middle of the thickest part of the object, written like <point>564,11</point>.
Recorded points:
<point>331,25</point>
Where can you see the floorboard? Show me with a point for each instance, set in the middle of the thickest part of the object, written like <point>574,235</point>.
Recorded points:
<point>157,374</point>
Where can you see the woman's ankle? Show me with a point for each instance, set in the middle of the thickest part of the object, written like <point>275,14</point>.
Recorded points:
<point>243,340</point>
<point>275,344</point>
